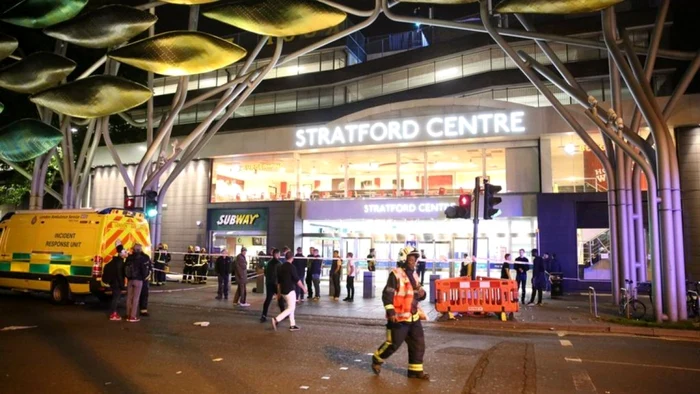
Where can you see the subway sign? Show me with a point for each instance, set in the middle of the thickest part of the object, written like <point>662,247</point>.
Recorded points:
<point>237,219</point>
<point>487,124</point>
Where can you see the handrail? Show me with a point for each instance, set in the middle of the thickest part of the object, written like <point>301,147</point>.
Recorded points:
<point>594,305</point>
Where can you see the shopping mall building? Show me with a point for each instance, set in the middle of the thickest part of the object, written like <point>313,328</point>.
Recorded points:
<point>364,143</point>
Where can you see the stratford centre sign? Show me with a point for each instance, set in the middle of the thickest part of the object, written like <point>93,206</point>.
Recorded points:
<point>408,130</point>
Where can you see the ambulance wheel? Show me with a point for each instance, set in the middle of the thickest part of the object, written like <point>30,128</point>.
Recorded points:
<point>60,292</point>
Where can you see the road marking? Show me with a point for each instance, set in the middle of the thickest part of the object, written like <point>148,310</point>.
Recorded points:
<point>583,382</point>
<point>358,361</point>
<point>370,354</point>
<point>15,328</point>
<point>303,387</point>
<point>326,377</point>
<point>642,365</point>
<point>216,360</point>
<point>572,359</point>
<point>566,343</point>
<point>561,334</point>
<point>343,368</point>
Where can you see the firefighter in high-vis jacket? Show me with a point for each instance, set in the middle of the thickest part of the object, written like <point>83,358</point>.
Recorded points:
<point>401,296</point>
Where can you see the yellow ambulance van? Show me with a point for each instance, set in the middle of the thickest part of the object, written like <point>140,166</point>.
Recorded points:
<point>64,251</point>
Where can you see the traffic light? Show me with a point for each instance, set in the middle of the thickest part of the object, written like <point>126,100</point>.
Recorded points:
<point>129,203</point>
<point>150,206</point>
<point>462,210</point>
<point>491,200</point>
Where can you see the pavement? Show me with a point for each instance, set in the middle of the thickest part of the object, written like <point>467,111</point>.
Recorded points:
<point>570,313</point>
<point>76,349</point>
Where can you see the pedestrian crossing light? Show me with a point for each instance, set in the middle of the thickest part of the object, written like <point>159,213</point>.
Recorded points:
<point>463,209</point>
<point>491,200</point>
<point>150,206</point>
<point>129,203</point>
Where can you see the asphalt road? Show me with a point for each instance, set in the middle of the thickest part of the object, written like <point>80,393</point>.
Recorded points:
<point>76,349</point>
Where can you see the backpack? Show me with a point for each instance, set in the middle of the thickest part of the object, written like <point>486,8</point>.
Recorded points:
<point>108,274</point>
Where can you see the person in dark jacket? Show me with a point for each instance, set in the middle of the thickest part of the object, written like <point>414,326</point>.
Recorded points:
<point>309,275</point>
<point>316,268</point>
<point>223,267</point>
<point>505,268</point>
<point>371,261</point>
<point>420,270</point>
<point>241,269</point>
<point>114,276</point>
<point>336,272</point>
<point>271,284</point>
<point>538,278</point>
<point>521,268</point>
<point>300,264</point>
<point>143,299</point>
<point>136,271</point>
<point>467,266</point>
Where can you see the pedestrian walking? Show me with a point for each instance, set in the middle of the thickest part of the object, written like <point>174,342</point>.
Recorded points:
<point>309,275</point>
<point>505,268</point>
<point>287,279</point>
<point>316,269</point>
<point>189,263</point>
<point>223,267</point>
<point>421,266</point>
<point>300,265</point>
<point>335,274</point>
<point>271,284</point>
<point>521,273</point>
<point>241,270</point>
<point>146,288</point>
<point>538,278</point>
<point>350,280</point>
<point>401,297</point>
<point>161,264</point>
<point>371,261</point>
<point>114,276</point>
<point>136,271</point>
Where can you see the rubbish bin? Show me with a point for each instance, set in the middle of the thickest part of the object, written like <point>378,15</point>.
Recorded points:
<point>433,294</point>
<point>368,287</point>
<point>557,279</point>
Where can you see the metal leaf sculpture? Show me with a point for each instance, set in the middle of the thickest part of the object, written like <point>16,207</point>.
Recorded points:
<point>2,107</point>
<point>27,139</point>
<point>37,14</point>
<point>36,72</point>
<point>189,2</point>
<point>94,97</point>
<point>179,53</point>
<point>7,45</point>
<point>554,6</point>
<point>277,18</point>
<point>104,27</point>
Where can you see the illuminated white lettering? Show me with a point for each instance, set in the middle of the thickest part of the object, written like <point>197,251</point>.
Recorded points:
<point>323,136</point>
<point>301,138</point>
<point>379,137</point>
<point>351,128</point>
<point>516,122</point>
<point>464,125</point>
<point>338,137</point>
<point>410,129</point>
<point>451,126</point>
<point>485,122</point>
<point>500,122</point>
<point>363,129</point>
<point>312,135</point>
<point>431,128</point>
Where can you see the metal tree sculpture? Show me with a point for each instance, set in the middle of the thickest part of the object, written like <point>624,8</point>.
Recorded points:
<point>626,155</point>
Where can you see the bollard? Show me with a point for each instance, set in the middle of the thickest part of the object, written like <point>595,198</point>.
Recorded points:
<point>368,287</point>
<point>433,296</point>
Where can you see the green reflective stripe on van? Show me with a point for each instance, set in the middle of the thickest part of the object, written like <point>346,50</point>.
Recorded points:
<point>39,268</point>
<point>81,271</point>
<point>61,259</point>
<point>21,257</point>
<point>5,266</point>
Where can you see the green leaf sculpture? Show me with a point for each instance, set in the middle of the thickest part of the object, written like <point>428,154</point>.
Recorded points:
<point>27,139</point>
<point>277,18</point>
<point>36,72</point>
<point>94,97</point>
<point>189,2</point>
<point>7,45</point>
<point>37,14</point>
<point>2,107</point>
<point>103,27</point>
<point>554,6</point>
<point>179,53</point>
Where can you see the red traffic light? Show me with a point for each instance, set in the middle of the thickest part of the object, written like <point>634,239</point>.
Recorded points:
<point>465,201</point>
<point>129,203</point>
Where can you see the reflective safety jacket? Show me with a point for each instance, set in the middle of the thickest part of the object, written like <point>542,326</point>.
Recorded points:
<point>401,299</point>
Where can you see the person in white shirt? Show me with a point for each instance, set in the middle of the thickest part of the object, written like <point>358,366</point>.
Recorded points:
<point>350,283</point>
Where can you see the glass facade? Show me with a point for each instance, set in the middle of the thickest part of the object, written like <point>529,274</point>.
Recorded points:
<point>378,173</point>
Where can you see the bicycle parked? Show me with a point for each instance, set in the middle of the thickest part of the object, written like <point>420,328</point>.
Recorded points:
<point>630,306</point>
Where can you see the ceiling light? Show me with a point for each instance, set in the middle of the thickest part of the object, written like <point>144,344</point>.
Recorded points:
<point>570,149</point>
